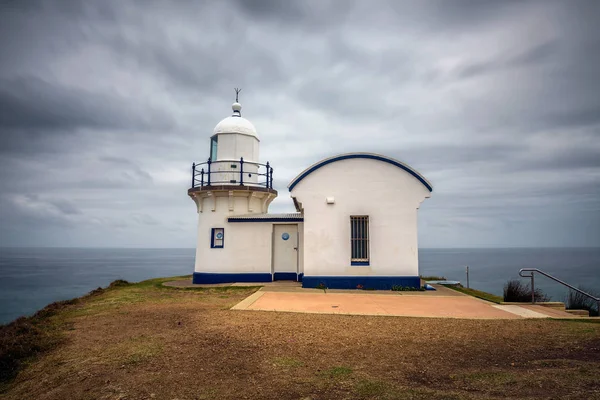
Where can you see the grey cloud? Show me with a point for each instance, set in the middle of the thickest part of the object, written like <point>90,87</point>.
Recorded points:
<point>65,206</point>
<point>30,102</point>
<point>144,219</point>
<point>537,54</point>
<point>540,53</point>
<point>32,109</point>
<point>103,107</point>
<point>576,118</point>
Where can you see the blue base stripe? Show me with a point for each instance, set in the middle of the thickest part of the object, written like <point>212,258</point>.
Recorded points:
<point>206,277</point>
<point>285,276</point>
<point>300,276</point>
<point>367,282</point>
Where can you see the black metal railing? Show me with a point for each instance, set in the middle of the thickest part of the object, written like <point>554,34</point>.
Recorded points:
<point>232,172</point>
<point>523,273</point>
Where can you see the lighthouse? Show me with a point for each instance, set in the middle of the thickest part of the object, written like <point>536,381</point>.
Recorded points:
<point>232,182</point>
<point>355,224</point>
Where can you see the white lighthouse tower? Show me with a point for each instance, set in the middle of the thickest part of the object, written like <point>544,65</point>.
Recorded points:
<point>232,182</point>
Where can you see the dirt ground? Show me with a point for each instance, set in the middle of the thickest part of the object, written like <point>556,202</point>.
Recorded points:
<point>147,342</point>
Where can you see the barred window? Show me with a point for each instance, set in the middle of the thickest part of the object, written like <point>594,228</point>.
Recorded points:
<point>359,240</point>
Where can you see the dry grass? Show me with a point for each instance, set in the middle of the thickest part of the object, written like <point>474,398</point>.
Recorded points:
<point>476,293</point>
<point>145,341</point>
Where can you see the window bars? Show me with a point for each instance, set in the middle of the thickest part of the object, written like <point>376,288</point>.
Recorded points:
<point>359,240</point>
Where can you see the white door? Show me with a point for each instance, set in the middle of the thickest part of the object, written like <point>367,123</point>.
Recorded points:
<point>285,252</point>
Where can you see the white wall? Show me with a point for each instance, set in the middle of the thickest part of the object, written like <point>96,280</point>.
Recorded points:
<point>390,197</point>
<point>247,246</point>
<point>232,146</point>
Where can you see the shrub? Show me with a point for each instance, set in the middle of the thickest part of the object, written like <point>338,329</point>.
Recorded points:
<point>517,291</point>
<point>119,283</point>
<point>322,286</point>
<point>577,301</point>
<point>27,337</point>
<point>398,288</point>
<point>433,278</point>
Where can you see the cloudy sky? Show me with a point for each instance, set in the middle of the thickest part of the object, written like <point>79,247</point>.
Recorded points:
<point>104,105</point>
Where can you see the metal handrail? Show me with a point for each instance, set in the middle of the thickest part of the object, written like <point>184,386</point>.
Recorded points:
<point>532,270</point>
<point>202,177</point>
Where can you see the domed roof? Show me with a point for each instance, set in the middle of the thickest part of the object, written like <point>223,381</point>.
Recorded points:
<point>236,123</point>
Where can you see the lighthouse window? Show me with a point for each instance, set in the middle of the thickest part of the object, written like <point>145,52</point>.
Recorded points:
<point>217,238</point>
<point>214,141</point>
<point>359,240</point>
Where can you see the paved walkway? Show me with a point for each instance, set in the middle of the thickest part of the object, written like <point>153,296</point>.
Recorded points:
<point>289,296</point>
<point>442,303</point>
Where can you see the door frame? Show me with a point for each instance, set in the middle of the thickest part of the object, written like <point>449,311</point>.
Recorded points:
<point>297,248</point>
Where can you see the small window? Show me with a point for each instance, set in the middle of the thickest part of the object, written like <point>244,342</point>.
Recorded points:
<point>359,240</point>
<point>214,142</point>
<point>217,238</point>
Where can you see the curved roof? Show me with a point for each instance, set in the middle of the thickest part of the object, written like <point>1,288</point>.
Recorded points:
<point>235,124</point>
<point>370,156</point>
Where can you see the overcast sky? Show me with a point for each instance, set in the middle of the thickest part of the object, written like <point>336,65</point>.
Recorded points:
<point>104,105</point>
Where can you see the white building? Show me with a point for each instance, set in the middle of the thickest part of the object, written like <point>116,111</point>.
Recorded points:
<point>355,225</point>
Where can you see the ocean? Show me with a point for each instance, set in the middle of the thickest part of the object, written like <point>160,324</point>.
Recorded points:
<point>31,278</point>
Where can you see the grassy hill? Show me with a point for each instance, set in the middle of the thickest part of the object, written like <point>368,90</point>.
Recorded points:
<point>144,340</point>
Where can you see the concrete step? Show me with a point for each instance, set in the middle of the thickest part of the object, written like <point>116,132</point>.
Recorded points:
<point>557,305</point>
<point>581,313</point>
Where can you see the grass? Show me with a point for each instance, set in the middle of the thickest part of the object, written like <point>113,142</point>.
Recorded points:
<point>136,350</point>
<point>145,340</point>
<point>476,293</point>
<point>287,362</point>
<point>433,278</point>
<point>28,338</point>
<point>371,388</point>
<point>337,372</point>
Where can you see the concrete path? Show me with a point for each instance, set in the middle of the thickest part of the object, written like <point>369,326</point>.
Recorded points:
<point>443,303</point>
<point>289,296</point>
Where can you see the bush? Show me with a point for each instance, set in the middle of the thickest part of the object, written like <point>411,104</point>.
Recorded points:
<point>433,278</point>
<point>577,301</point>
<point>516,291</point>
<point>119,283</point>
<point>398,288</point>
<point>27,337</point>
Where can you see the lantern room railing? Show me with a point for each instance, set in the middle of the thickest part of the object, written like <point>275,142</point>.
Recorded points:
<point>232,172</point>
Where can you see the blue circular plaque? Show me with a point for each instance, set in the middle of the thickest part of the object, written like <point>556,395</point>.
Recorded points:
<point>285,236</point>
<point>220,235</point>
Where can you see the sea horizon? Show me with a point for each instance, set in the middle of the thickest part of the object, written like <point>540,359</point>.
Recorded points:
<point>424,248</point>
<point>32,277</point>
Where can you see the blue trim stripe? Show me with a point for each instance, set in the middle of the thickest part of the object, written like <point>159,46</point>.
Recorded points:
<point>285,276</point>
<point>233,219</point>
<point>359,263</point>
<point>207,277</point>
<point>367,282</point>
<point>358,155</point>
